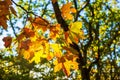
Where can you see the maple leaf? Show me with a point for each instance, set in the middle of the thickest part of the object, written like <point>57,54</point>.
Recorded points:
<point>75,31</point>
<point>58,66</point>
<point>57,50</point>
<point>54,31</point>
<point>40,23</point>
<point>7,41</point>
<point>66,67</point>
<point>38,55</point>
<point>66,10</point>
<point>25,44</point>
<point>28,32</point>
<point>67,38</point>
<point>3,22</point>
<point>13,10</point>
<point>5,7</point>
<point>66,63</point>
<point>27,54</point>
<point>50,56</point>
<point>75,27</point>
<point>20,37</point>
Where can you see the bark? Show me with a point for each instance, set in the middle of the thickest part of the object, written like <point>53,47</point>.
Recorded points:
<point>85,74</point>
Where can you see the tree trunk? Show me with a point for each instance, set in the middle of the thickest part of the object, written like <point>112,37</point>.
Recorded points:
<point>85,74</point>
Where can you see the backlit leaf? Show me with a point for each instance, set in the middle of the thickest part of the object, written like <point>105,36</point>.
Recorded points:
<point>13,11</point>
<point>66,10</point>
<point>7,41</point>
<point>40,23</point>
<point>58,67</point>
<point>75,27</point>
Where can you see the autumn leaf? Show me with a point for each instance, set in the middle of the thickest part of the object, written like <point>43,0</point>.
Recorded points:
<point>67,38</point>
<point>55,47</point>
<point>37,56</point>
<point>25,44</point>
<point>3,22</point>
<point>13,10</point>
<point>66,10</point>
<point>5,5</point>
<point>27,54</point>
<point>7,41</point>
<point>20,37</point>
<point>50,56</point>
<point>75,27</point>
<point>58,66</point>
<point>66,63</point>
<point>40,23</point>
<point>28,32</point>
<point>57,50</point>
<point>66,68</point>
<point>75,31</point>
<point>54,31</point>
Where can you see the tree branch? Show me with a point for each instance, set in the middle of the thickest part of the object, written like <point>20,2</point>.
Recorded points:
<point>45,8</point>
<point>26,11</point>
<point>75,3</point>
<point>59,18</point>
<point>78,12</point>
<point>12,26</point>
<point>80,60</point>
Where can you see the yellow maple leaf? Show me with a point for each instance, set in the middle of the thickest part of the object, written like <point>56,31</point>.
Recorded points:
<point>66,63</point>
<point>75,31</point>
<point>27,54</point>
<point>56,47</point>
<point>58,67</point>
<point>38,56</point>
<point>66,67</point>
<point>75,27</point>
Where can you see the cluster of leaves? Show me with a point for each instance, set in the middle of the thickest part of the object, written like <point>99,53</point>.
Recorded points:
<point>5,10</point>
<point>34,46</point>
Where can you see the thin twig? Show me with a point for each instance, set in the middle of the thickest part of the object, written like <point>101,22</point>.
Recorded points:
<point>24,8</point>
<point>78,12</point>
<point>12,26</point>
<point>45,8</point>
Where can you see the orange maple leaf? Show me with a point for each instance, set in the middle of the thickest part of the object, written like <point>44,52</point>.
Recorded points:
<point>54,31</point>
<point>40,23</point>
<point>5,7</point>
<point>3,22</point>
<point>28,32</point>
<point>67,39</point>
<point>66,10</point>
<point>25,44</point>
<point>7,41</point>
